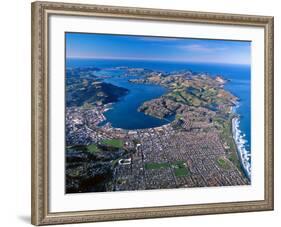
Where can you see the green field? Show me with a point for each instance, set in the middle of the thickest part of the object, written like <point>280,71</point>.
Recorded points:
<point>117,143</point>
<point>226,135</point>
<point>93,148</point>
<point>179,167</point>
<point>222,163</point>
<point>181,171</point>
<point>155,165</point>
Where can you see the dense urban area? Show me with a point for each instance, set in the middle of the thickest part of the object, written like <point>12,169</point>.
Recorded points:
<point>194,149</point>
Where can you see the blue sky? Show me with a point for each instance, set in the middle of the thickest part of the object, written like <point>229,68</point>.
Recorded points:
<point>84,45</point>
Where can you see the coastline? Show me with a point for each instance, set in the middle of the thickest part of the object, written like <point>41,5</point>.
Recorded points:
<point>185,148</point>
<point>243,154</point>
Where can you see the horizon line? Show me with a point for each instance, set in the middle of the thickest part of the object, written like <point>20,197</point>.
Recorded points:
<point>159,60</point>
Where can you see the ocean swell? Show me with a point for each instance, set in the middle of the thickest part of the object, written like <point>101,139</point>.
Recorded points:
<point>244,154</point>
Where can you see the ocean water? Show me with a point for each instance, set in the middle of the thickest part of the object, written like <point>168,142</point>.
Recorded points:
<point>124,114</point>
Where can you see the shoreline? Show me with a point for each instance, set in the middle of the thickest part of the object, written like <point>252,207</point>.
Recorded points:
<point>243,154</point>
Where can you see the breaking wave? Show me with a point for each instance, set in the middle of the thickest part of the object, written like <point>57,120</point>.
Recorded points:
<point>244,154</point>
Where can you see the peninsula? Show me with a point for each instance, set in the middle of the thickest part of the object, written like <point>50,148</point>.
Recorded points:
<point>194,148</point>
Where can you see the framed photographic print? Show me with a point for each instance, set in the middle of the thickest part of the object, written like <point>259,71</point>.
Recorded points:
<point>145,113</point>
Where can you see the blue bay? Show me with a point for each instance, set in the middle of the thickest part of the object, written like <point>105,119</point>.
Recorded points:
<point>124,113</point>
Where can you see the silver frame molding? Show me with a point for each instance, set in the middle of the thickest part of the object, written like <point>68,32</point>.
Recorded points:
<point>40,105</point>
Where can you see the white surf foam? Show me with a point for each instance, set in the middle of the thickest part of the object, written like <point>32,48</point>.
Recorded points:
<point>239,137</point>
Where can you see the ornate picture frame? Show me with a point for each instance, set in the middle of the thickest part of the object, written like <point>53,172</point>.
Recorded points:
<point>41,12</point>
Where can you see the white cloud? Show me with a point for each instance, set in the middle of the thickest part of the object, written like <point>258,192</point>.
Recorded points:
<point>201,48</point>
